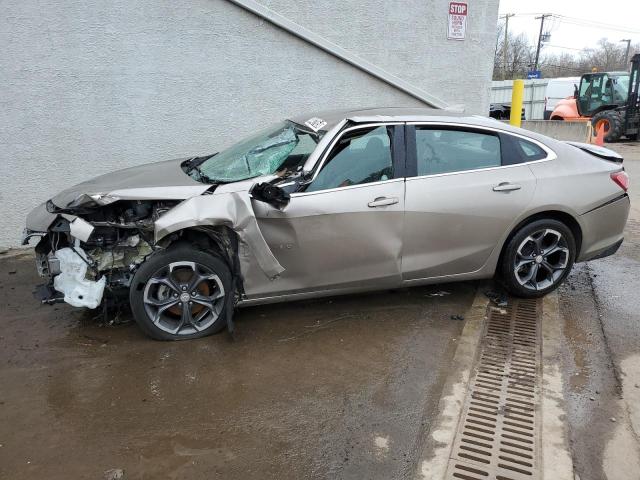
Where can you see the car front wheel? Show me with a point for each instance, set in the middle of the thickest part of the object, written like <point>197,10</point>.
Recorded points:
<point>538,258</point>
<point>181,293</point>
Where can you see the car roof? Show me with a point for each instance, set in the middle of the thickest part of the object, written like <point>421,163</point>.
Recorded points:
<point>409,114</point>
<point>327,120</point>
<point>375,114</point>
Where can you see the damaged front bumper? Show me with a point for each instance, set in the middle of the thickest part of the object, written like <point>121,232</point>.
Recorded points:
<point>77,268</point>
<point>82,258</point>
<point>80,279</point>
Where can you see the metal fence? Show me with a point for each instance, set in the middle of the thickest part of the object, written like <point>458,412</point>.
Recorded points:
<point>534,91</point>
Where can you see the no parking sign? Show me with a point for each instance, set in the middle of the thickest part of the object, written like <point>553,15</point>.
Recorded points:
<point>457,21</point>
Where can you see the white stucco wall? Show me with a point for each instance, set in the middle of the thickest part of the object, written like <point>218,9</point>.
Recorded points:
<point>89,86</point>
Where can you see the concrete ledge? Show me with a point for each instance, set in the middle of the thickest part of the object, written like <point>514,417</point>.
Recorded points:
<point>560,130</point>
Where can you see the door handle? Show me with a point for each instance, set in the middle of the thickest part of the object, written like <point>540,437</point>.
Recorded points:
<point>506,187</point>
<point>383,201</point>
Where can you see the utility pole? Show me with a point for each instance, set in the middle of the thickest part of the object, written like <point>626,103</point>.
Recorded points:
<point>505,44</point>
<point>626,55</point>
<point>541,18</point>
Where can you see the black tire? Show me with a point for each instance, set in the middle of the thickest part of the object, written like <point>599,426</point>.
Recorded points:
<point>146,285</point>
<point>549,267</point>
<point>613,124</point>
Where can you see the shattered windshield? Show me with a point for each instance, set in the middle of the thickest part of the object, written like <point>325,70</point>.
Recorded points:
<point>277,149</point>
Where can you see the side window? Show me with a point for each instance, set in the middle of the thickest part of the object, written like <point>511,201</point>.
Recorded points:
<point>530,151</point>
<point>443,151</point>
<point>360,156</point>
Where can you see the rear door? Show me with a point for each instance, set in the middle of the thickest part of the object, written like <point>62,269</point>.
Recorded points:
<point>465,187</point>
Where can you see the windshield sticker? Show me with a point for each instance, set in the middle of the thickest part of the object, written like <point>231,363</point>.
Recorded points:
<point>315,123</point>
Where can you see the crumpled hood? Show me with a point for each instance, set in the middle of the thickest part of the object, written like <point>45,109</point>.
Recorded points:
<point>153,181</point>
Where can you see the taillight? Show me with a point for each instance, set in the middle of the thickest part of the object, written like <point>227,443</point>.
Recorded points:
<point>622,179</point>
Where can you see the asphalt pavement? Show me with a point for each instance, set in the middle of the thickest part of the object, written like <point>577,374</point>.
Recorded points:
<point>334,388</point>
<point>600,306</point>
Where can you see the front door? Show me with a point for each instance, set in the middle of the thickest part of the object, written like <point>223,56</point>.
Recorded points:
<point>344,232</point>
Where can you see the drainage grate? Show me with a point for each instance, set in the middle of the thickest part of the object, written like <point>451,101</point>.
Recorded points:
<point>498,435</point>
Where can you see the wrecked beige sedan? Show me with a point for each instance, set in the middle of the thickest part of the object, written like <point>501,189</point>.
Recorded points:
<point>331,203</point>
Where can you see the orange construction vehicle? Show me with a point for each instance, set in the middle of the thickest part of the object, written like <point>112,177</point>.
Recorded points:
<point>609,100</point>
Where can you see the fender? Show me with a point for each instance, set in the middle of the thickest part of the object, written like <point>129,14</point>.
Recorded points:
<point>231,209</point>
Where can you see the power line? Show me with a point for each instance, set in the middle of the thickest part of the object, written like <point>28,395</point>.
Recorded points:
<point>528,14</point>
<point>599,27</point>
<point>566,48</point>
<point>582,22</point>
<point>594,24</point>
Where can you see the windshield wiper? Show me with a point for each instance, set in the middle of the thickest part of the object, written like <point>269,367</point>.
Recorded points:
<point>194,165</point>
<point>195,162</point>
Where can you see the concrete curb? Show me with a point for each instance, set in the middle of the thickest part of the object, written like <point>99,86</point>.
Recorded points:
<point>557,463</point>
<point>434,459</point>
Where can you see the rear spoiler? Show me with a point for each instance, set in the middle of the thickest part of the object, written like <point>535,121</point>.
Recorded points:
<point>598,151</point>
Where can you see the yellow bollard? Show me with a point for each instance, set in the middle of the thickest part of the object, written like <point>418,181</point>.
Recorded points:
<point>516,103</point>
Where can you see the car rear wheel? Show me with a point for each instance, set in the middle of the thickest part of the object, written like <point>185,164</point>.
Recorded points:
<point>181,293</point>
<point>538,258</point>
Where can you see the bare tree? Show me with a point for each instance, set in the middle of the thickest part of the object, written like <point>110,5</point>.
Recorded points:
<point>520,54</point>
<point>607,56</point>
<point>561,65</point>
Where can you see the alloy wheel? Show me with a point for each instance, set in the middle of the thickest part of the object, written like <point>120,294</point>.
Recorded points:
<point>541,259</point>
<point>184,298</point>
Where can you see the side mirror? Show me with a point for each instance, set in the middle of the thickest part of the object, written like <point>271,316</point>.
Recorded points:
<point>271,194</point>
<point>576,93</point>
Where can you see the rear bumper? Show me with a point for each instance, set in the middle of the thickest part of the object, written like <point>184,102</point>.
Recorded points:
<point>605,252</point>
<point>603,229</point>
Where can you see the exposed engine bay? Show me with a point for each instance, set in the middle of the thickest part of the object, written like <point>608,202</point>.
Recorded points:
<point>101,250</point>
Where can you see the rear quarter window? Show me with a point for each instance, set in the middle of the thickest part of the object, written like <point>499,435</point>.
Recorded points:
<point>530,151</point>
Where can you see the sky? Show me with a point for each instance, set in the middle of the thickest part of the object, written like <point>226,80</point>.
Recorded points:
<point>589,21</point>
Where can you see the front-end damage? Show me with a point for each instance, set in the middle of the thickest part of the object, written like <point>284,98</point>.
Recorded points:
<point>90,252</point>
<point>95,235</point>
<point>95,249</point>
